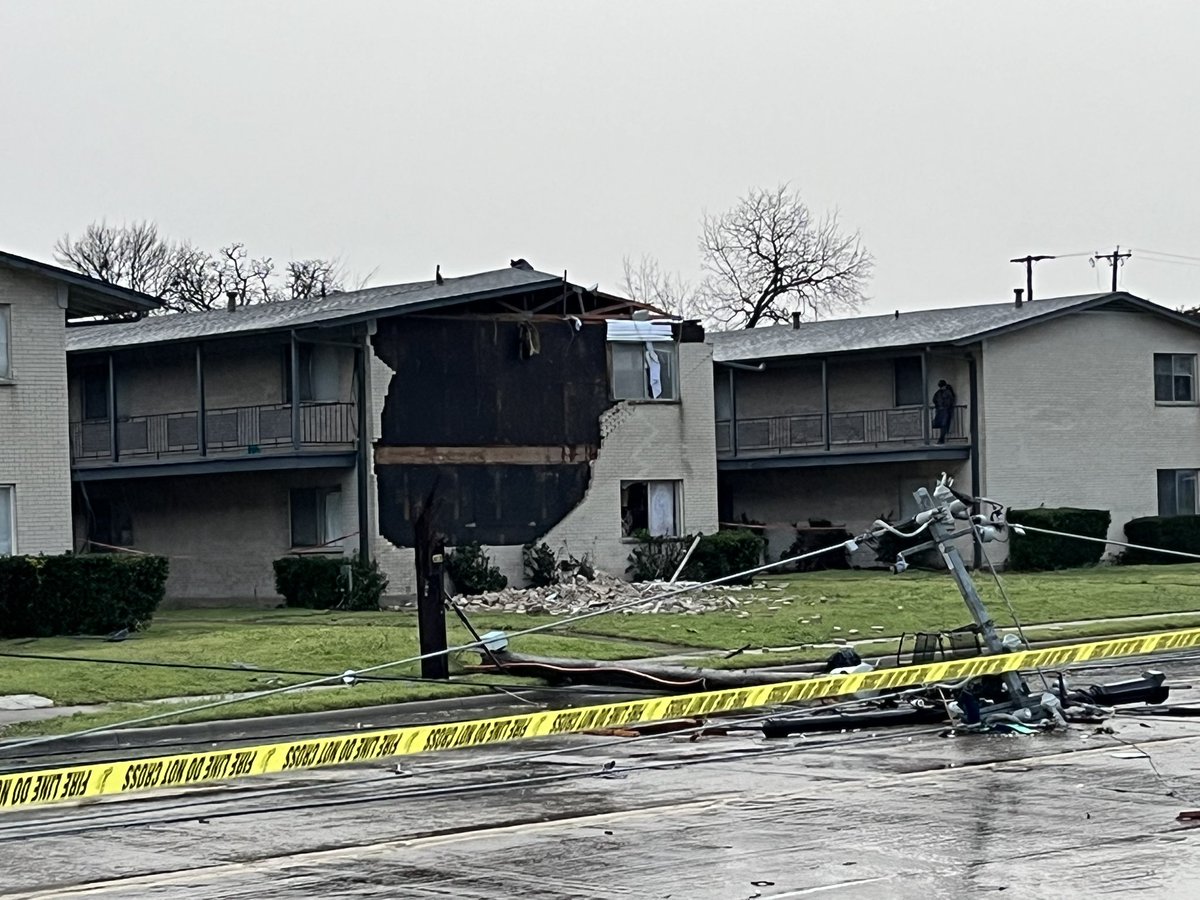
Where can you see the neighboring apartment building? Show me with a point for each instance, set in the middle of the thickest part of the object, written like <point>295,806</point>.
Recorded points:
<point>1072,401</point>
<point>512,404</point>
<point>36,301</point>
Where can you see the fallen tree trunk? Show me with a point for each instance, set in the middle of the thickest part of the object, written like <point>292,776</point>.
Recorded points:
<point>683,679</point>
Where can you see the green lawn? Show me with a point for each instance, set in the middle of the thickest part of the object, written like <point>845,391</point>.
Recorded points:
<point>296,640</point>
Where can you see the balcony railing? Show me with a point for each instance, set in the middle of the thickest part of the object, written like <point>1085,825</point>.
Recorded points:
<point>246,429</point>
<point>850,429</point>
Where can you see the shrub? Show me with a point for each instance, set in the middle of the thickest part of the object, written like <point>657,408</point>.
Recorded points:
<point>724,553</point>
<point>79,594</point>
<point>809,540</point>
<point>472,572</point>
<point>314,581</point>
<point>1168,532</point>
<point>540,564</point>
<point>655,558</point>
<point>1032,551</point>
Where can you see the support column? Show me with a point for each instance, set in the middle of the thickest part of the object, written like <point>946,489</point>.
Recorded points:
<point>925,423</point>
<point>112,409</point>
<point>825,420</point>
<point>733,442</point>
<point>363,437</point>
<point>977,489</point>
<point>201,412</point>
<point>295,373</point>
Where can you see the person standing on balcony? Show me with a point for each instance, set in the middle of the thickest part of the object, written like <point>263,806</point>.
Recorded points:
<point>943,410</point>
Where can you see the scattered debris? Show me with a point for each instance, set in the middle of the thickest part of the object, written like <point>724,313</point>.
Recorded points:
<point>579,594</point>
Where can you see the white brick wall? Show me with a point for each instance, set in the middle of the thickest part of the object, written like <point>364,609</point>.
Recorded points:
<point>34,451</point>
<point>1069,415</point>
<point>660,441</point>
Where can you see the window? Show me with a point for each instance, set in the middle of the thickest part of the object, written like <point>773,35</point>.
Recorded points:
<point>95,393</point>
<point>910,381</point>
<point>8,523</point>
<point>645,371</point>
<point>652,506</point>
<point>316,516</point>
<point>1177,492</point>
<point>5,343</point>
<point>318,373</point>
<point>110,526</point>
<point>1174,378</point>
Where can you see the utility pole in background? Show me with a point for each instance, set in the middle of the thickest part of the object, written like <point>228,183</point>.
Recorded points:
<point>1115,259</point>
<point>1029,261</point>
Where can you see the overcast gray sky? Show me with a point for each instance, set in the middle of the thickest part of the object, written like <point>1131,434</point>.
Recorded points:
<point>400,135</point>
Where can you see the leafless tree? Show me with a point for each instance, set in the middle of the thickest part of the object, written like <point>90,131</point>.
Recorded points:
<point>307,278</point>
<point>187,278</point>
<point>647,282</point>
<point>768,257</point>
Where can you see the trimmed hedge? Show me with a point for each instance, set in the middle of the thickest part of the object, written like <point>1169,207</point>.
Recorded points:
<point>1168,532</point>
<point>1035,552</point>
<point>724,553</point>
<point>42,596</point>
<point>317,582</point>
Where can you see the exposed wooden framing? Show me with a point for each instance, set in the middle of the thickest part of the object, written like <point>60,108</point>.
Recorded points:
<point>491,455</point>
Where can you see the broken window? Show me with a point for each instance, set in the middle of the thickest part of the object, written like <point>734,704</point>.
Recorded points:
<point>651,506</point>
<point>1177,492</point>
<point>1174,378</point>
<point>910,381</point>
<point>643,360</point>
<point>316,516</point>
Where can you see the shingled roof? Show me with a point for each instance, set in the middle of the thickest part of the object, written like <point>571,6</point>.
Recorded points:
<point>335,308</point>
<point>956,325</point>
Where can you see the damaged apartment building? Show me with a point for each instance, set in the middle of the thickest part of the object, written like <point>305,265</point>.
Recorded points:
<point>512,405</point>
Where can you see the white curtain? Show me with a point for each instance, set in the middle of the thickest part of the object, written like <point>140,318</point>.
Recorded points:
<point>662,509</point>
<point>4,329</point>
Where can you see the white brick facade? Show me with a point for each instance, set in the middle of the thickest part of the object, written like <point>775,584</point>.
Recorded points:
<point>1069,417</point>
<point>34,454</point>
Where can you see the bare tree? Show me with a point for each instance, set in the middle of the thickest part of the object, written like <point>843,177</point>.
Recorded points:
<point>767,257</point>
<point>314,278</point>
<point>186,278</point>
<point>648,283</point>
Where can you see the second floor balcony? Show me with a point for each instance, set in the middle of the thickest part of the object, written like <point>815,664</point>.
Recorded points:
<point>842,431</point>
<point>240,430</point>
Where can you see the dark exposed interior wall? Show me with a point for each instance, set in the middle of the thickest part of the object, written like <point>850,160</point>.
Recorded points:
<point>470,382</point>
<point>464,382</point>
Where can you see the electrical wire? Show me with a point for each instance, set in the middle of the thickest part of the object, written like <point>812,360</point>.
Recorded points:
<point>1019,527</point>
<point>1007,602</point>
<point>474,645</point>
<point>1164,253</point>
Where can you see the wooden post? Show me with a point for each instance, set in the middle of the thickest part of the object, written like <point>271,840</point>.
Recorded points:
<point>825,423</point>
<point>112,409</point>
<point>201,414</point>
<point>295,373</point>
<point>925,423</point>
<point>430,551</point>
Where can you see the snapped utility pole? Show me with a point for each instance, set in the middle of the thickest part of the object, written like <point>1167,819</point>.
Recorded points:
<point>1029,261</point>
<point>1115,259</point>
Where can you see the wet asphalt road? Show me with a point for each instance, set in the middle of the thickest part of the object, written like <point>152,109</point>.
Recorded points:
<point>901,814</point>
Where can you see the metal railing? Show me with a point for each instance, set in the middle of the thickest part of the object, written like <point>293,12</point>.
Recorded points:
<point>902,426</point>
<point>249,429</point>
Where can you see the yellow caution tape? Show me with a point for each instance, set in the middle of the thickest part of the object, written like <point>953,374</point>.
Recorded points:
<point>23,789</point>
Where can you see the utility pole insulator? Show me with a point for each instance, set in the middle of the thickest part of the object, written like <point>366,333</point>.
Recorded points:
<point>1114,259</point>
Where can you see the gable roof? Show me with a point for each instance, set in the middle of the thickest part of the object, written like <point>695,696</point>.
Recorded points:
<point>954,326</point>
<point>340,308</point>
<point>86,296</point>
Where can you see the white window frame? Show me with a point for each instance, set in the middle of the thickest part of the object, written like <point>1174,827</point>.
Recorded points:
<point>6,367</point>
<point>11,491</point>
<point>675,485</point>
<point>1181,477</point>
<point>1175,373</point>
<point>664,353</point>
<point>328,530</point>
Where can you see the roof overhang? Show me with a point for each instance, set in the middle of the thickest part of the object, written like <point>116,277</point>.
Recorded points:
<point>80,295</point>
